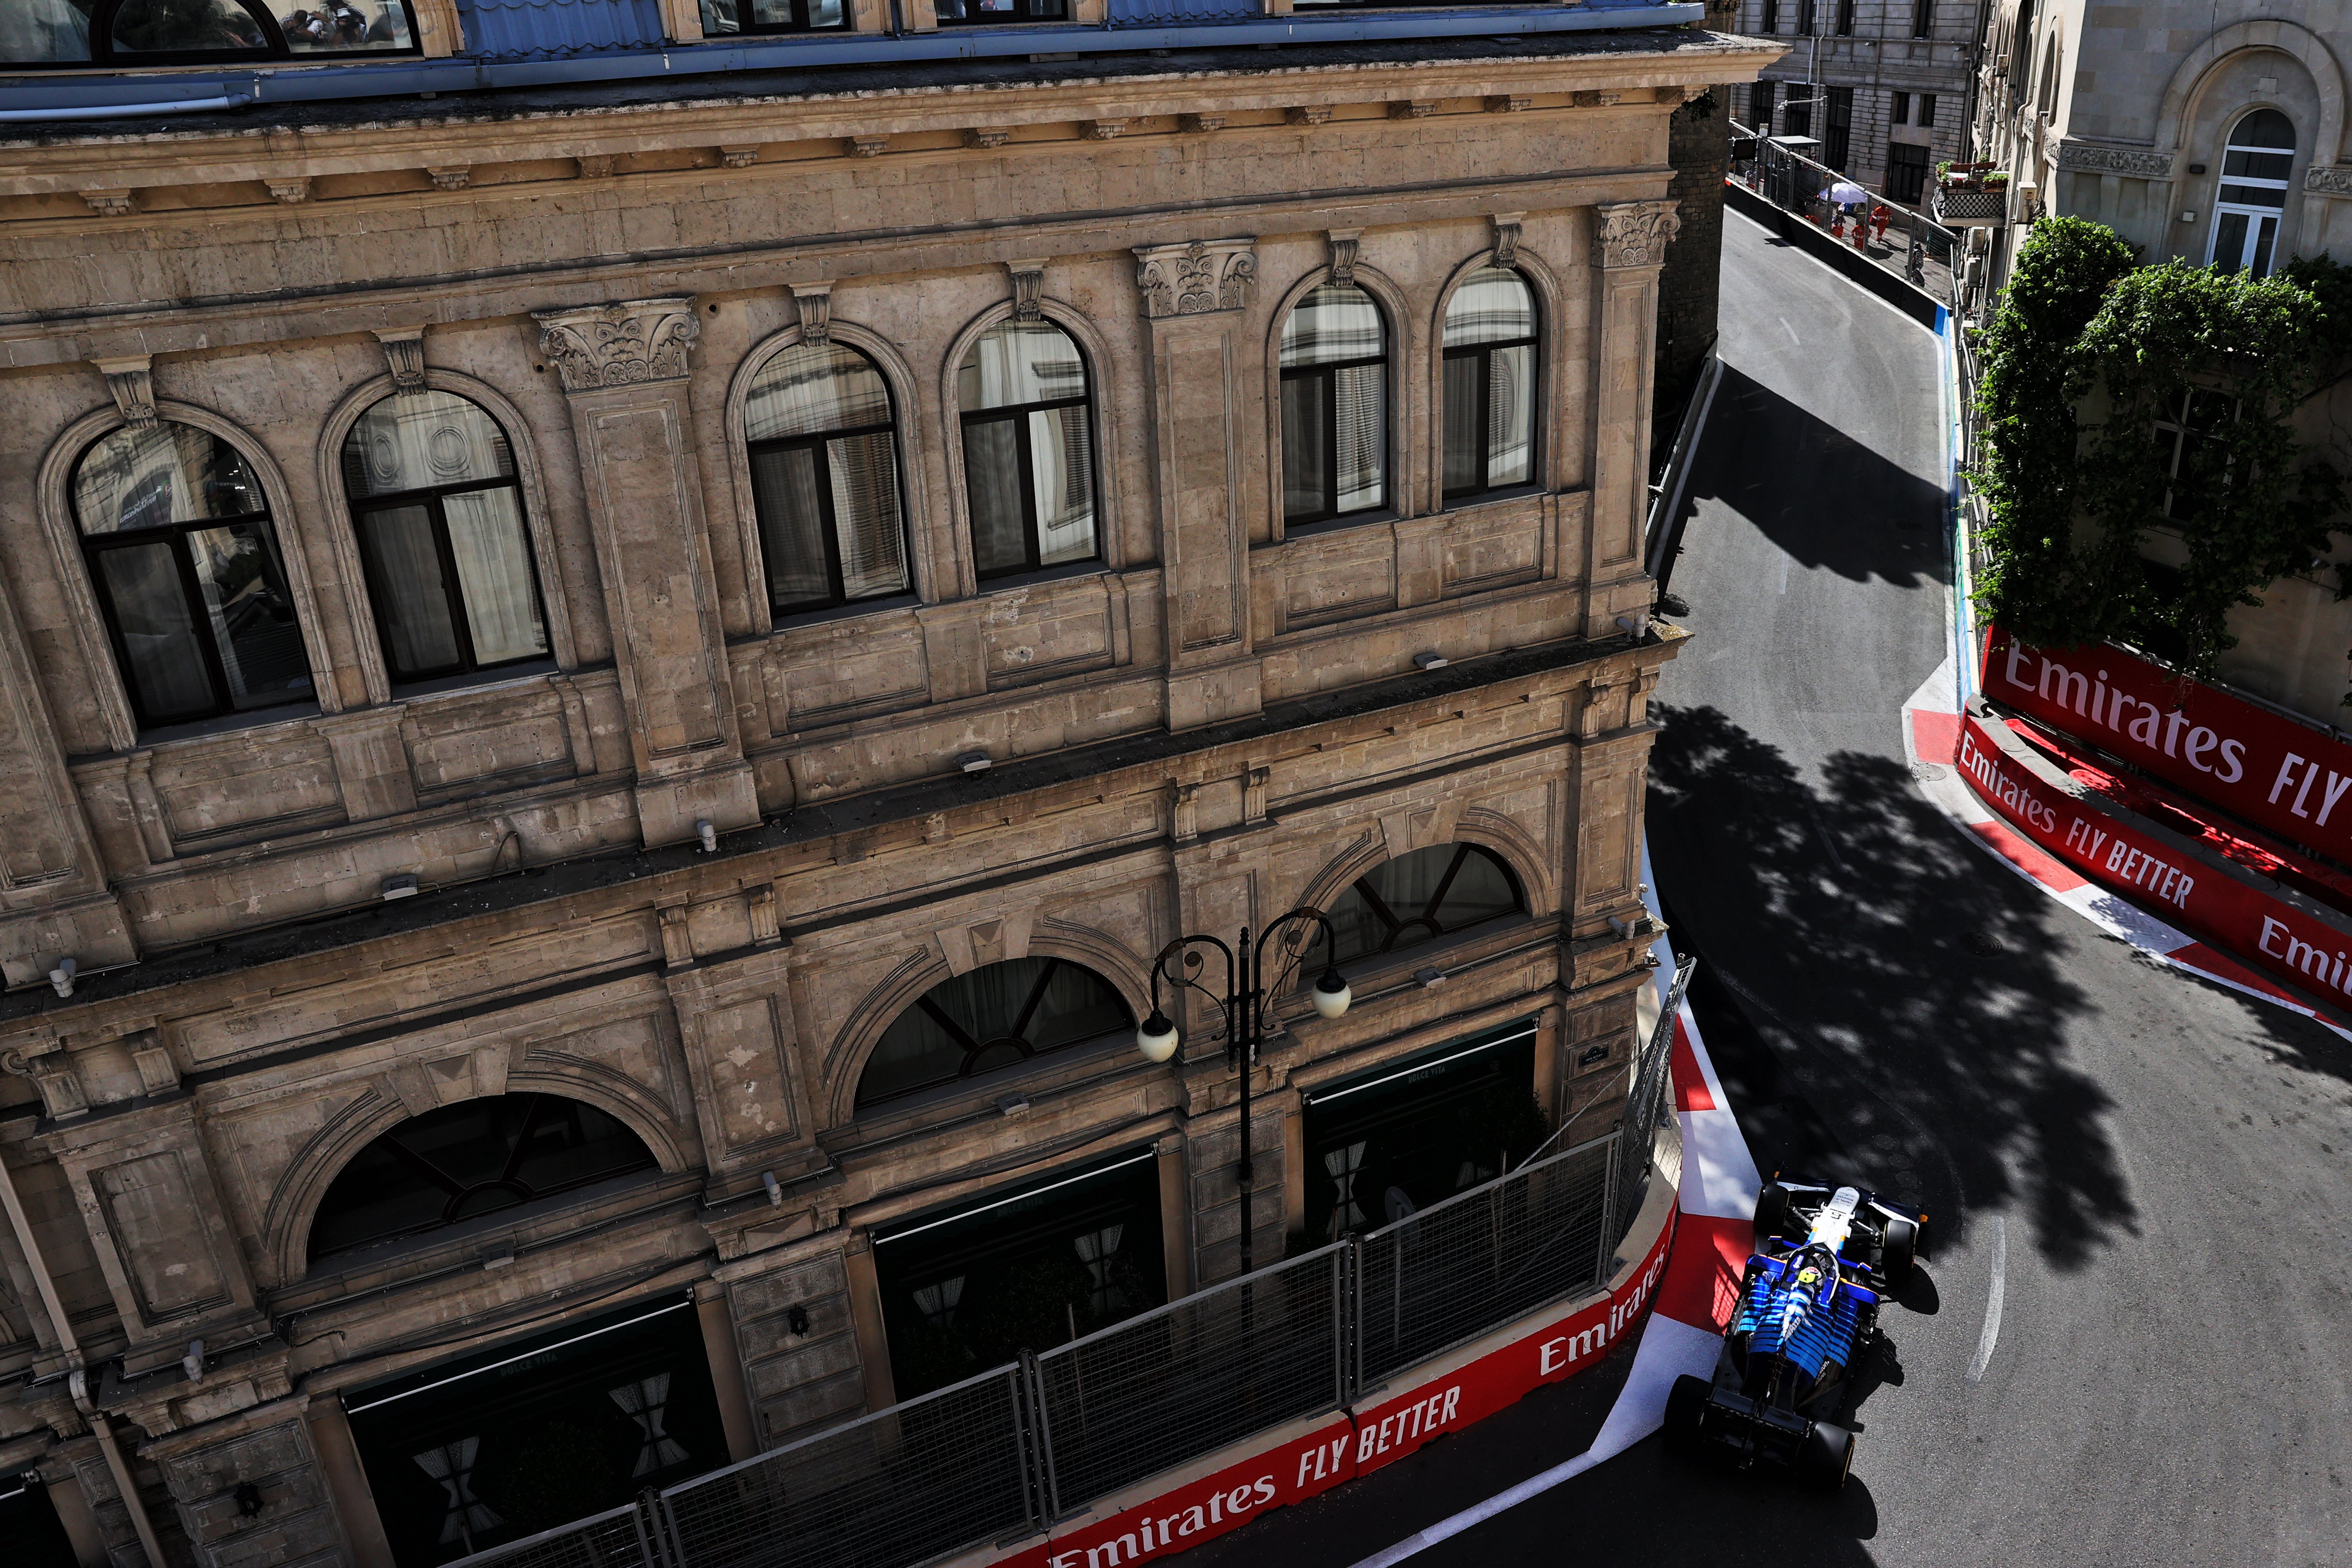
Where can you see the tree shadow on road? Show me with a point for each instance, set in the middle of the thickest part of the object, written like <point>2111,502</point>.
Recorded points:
<point>1903,1015</point>
<point>1856,513</point>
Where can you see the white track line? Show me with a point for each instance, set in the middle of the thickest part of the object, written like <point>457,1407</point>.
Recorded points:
<point>1991,1332</point>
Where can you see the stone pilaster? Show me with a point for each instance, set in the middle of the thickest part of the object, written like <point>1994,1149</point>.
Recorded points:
<point>1194,299</point>
<point>1629,246</point>
<point>623,368</point>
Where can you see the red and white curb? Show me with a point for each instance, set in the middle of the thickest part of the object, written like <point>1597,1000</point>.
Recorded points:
<point>1701,1286</point>
<point>1931,733</point>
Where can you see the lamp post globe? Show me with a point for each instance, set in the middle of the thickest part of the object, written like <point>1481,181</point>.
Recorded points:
<point>1331,994</point>
<point>1156,1037</point>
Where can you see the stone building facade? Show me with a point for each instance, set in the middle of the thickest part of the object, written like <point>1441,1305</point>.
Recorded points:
<point>1882,84</point>
<point>524,918</point>
<point>2221,142</point>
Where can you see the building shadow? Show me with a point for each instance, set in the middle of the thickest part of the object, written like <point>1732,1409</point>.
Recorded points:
<point>1881,1008</point>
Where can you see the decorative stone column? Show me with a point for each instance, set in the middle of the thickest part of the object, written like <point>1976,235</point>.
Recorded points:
<point>624,372</point>
<point>1196,298</point>
<point>1629,246</point>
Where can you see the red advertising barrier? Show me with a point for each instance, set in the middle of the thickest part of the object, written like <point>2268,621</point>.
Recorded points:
<point>1355,1443</point>
<point>2268,933</point>
<point>2270,771</point>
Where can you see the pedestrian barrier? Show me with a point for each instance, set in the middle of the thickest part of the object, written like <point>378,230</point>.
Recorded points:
<point>1012,1451</point>
<point>1928,256</point>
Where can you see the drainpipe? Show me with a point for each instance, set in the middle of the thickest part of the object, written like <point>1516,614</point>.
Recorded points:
<point>77,1377</point>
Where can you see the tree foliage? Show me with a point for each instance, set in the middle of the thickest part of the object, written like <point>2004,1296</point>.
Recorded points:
<point>2086,352</point>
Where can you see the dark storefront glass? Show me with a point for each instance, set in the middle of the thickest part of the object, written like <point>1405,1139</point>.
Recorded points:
<point>29,1523</point>
<point>504,1443</point>
<point>1393,1140</point>
<point>969,1288</point>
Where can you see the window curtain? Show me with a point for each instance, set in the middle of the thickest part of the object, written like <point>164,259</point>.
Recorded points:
<point>1303,443</point>
<point>411,596</point>
<point>1510,415</point>
<point>163,663</point>
<point>494,571</point>
<point>1462,394</point>
<point>991,468</point>
<point>1059,457</point>
<point>866,515</point>
<point>792,527</point>
<point>1362,428</point>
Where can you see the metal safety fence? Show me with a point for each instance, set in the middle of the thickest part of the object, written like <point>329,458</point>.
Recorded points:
<point>1010,1452</point>
<point>1913,244</point>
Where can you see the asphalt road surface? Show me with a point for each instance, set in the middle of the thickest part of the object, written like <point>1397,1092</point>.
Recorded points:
<point>2154,1169</point>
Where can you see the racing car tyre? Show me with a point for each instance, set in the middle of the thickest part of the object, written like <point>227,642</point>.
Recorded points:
<point>1771,1209</point>
<point>1686,1408</point>
<point>1902,1249</point>
<point>1828,1454</point>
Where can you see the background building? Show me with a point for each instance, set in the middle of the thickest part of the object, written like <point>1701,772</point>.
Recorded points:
<point>2223,147</point>
<point>1882,84</point>
<point>611,684</point>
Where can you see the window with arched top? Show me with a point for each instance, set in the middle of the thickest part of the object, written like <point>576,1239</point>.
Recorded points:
<point>466,1161</point>
<point>990,1020</point>
<point>196,32</point>
<point>2256,163</point>
<point>1423,896</point>
<point>438,513</point>
<point>177,537</point>
<point>1490,384</point>
<point>823,438</point>
<point>1335,405</point>
<point>1028,448</point>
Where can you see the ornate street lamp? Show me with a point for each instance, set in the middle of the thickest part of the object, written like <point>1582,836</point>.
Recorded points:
<point>1245,1007</point>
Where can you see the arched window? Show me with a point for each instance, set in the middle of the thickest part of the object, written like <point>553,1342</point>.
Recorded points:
<point>1335,405</point>
<point>824,478</point>
<point>464,1161</point>
<point>193,32</point>
<point>2255,165</point>
<point>1420,896</point>
<point>439,517</point>
<point>1490,384</point>
<point>992,1018</point>
<point>176,534</point>
<point>1028,448</point>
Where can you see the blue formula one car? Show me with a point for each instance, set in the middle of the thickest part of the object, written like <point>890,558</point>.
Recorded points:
<point>1808,1317</point>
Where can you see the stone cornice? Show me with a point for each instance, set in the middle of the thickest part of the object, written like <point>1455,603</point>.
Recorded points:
<point>2102,158</point>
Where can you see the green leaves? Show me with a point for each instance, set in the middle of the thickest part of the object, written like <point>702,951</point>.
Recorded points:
<point>2116,399</point>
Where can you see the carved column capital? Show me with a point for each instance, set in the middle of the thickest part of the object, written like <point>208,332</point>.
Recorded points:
<point>403,355</point>
<point>619,344</point>
<point>131,383</point>
<point>1196,278</point>
<point>1634,234</point>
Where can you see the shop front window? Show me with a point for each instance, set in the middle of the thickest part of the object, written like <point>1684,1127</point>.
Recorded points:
<point>992,1020</point>
<point>1421,897</point>
<point>535,1433</point>
<point>196,32</point>
<point>1390,1142</point>
<point>971,1287</point>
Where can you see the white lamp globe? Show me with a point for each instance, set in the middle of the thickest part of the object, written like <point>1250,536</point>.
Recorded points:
<point>1156,1038</point>
<point>1331,994</point>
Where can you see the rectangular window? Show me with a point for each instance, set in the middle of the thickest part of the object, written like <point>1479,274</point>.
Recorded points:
<point>1759,106</point>
<point>1923,18</point>
<point>1771,16</point>
<point>1839,144</point>
<point>1907,172</point>
<point>1845,18</point>
<point>726,18</point>
<point>2194,459</point>
<point>1797,115</point>
<point>1805,17</point>
<point>1927,111</point>
<point>996,13</point>
<point>1900,113</point>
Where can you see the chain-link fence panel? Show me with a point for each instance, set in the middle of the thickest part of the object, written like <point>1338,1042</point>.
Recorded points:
<point>620,1537</point>
<point>1459,1269</point>
<point>934,1475</point>
<point>1132,1400</point>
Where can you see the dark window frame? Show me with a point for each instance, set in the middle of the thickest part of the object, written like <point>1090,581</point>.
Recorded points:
<point>1770,21</point>
<point>1484,445</point>
<point>1845,18</point>
<point>1927,120</point>
<point>1837,147</point>
<point>1923,18</point>
<point>1024,14</point>
<point>1427,915</point>
<point>1911,176</point>
<point>175,535</point>
<point>1329,371</point>
<point>798,23</point>
<point>1898,111</point>
<point>274,48</point>
<point>969,1069</point>
<point>817,440</point>
<point>430,496</point>
<point>1017,414</point>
